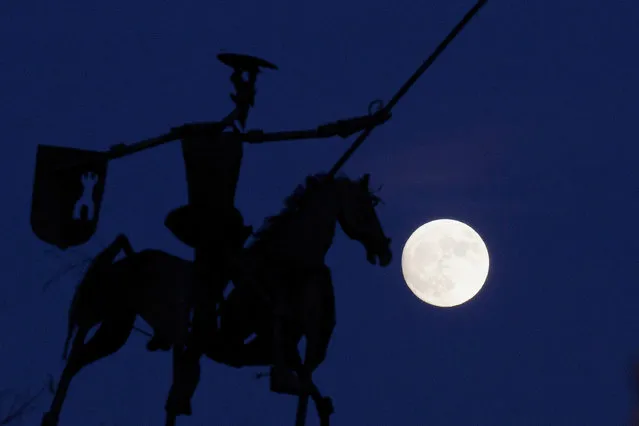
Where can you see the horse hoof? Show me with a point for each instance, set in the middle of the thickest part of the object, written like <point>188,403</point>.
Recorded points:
<point>49,419</point>
<point>179,408</point>
<point>325,407</point>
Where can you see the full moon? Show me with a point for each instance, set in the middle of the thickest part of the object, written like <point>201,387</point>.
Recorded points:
<point>445,263</point>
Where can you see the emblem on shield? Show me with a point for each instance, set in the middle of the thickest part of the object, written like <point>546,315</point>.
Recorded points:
<point>67,194</point>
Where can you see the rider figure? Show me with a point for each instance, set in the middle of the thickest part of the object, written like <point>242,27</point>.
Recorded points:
<point>210,222</point>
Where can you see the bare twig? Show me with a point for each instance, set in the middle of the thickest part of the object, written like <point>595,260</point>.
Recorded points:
<point>71,266</point>
<point>21,405</point>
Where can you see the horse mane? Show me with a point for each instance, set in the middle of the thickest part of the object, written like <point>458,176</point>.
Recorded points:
<point>292,204</point>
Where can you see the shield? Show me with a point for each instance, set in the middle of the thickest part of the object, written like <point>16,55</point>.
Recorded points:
<point>67,194</point>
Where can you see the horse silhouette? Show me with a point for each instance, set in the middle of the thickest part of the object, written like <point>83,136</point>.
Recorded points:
<point>282,292</point>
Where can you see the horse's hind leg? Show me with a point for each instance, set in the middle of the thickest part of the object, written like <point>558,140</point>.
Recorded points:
<point>108,339</point>
<point>50,418</point>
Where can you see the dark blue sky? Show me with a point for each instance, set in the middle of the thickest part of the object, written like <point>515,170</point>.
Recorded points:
<point>524,129</point>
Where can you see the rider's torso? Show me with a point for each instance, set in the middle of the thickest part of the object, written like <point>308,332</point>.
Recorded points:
<point>212,169</point>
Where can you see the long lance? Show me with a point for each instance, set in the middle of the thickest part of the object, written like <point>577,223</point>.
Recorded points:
<point>302,404</point>
<point>409,83</point>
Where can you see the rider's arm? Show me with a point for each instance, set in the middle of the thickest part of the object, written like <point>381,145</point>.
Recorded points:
<point>342,128</point>
<point>198,128</point>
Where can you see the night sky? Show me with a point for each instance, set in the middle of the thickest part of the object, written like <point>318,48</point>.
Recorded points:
<point>525,128</point>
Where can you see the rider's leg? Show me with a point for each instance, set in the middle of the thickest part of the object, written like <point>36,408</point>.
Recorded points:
<point>186,372</point>
<point>209,281</point>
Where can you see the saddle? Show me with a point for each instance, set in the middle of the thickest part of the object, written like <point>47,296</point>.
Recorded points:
<point>196,228</point>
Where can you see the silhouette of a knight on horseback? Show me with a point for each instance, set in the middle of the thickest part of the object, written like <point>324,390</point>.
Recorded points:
<point>283,292</point>
<point>282,288</point>
<point>272,278</point>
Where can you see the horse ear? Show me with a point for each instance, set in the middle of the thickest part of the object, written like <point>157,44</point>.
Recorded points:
<point>364,181</point>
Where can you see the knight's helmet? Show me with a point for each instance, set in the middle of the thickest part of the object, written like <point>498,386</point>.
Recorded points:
<point>244,96</point>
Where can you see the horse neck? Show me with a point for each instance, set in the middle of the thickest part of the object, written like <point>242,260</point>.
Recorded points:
<point>321,215</point>
<point>309,235</point>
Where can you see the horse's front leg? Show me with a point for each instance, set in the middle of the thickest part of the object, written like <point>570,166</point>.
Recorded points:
<point>323,404</point>
<point>318,317</point>
<point>288,374</point>
<point>302,385</point>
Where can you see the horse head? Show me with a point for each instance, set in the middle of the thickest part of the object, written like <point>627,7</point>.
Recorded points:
<point>358,218</point>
